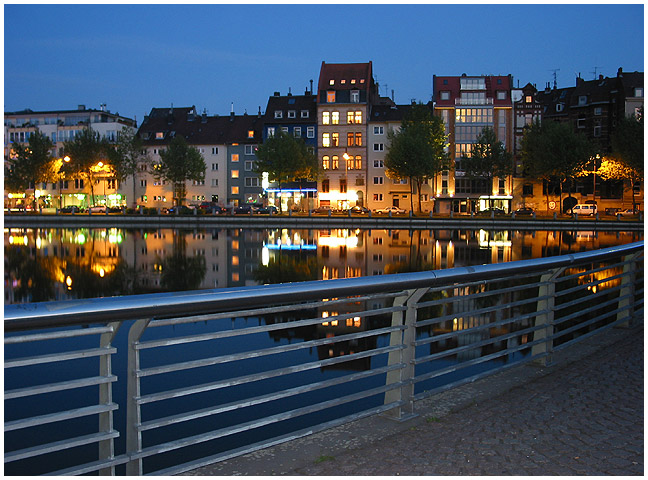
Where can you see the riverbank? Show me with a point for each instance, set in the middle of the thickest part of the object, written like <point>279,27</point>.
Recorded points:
<point>323,221</point>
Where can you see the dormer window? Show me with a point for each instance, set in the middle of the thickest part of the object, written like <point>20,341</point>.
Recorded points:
<point>278,114</point>
<point>292,114</point>
<point>342,82</point>
<point>250,133</point>
<point>330,96</point>
<point>355,95</point>
<point>159,135</point>
<point>331,82</point>
<point>559,107</point>
<point>528,99</point>
<point>582,100</point>
<point>305,114</point>
<point>362,80</point>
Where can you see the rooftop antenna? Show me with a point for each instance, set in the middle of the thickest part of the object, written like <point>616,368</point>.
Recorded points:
<point>555,77</point>
<point>594,72</point>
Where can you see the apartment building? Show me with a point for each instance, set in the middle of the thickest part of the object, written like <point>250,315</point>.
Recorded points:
<point>467,104</point>
<point>345,95</point>
<point>61,126</point>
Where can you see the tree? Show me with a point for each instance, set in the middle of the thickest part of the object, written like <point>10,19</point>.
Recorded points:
<point>417,150</point>
<point>285,159</point>
<point>551,150</point>
<point>488,159</point>
<point>127,157</point>
<point>88,153</point>
<point>30,164</point>
<point>180,162</point>
<point>628,149</point>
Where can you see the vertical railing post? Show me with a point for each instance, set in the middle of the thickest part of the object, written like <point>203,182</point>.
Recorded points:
<point>546,318</point>
<point>133,413</point>
<point>627,293</point>
<point>106,447</point>
<point>405,356</point>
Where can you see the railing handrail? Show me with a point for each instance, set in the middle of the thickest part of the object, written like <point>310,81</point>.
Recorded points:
<point>20,317</point>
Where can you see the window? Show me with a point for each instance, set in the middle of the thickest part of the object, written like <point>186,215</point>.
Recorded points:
<point>250,133</point>
<point>581,122</point>
<point>379,131</point>
<point>142,183</point>
<point>331,82</point>
<point>249,165</point>
<point>378,147</point>
<point>325,186</point>
<point>235,174</point>
<point>271,132</point>
<point>326,118</point>
<point>297,132</point>
<point>235,157</point>
<point>214,150</point>
<point>249,149</point>
<point>501,95</point>
<point>378,180</point>
<point>528,99</point>
<point>335,118</point>
<point>198,182</point>
<point>326,139</point>
<point>305,114</point>
<point>638,92</point>
<point>527,189</point>
<point>335,139</point>
<point>378,197</point>
<point>397,181</point>
<point>335,163</point>
<point>598,111</point>
<point>472,83</point>
<point>214,182</point>
<point>330,96</point>
<point>235,190</point>
<point>445,95</point>
<point>292,114</point>
<point>597,128</point>
<point>252,182</point>
<point>343,185</point>
<point>559,107</point>
<point>214,167</point>
<point>379,164</point>
<point>326,162</point>
<point>278,114</point>
<point>582,100</point>
<point>159,135</point>
<point>310,132</point>
<point>354,117</point>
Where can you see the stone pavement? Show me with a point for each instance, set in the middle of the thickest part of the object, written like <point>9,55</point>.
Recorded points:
<point>583,415</point>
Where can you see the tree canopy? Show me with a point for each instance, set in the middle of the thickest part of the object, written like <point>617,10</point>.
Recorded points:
<point>127,156</point>
<point>180,162</point>
<point>30,164</point>
<point>417,150</point>
<point>628,152</point>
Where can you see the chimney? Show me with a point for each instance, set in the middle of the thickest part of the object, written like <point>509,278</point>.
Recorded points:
<point>81,108</point>
<point>311,86</point>
<point>289,92</point>
<point>393,96</point>
<point>277,94</point>
<point>620,72</point>
<point>232,113</point>
<point>259,114</point>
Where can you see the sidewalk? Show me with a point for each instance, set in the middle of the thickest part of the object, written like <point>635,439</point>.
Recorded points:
<point>581,416</point>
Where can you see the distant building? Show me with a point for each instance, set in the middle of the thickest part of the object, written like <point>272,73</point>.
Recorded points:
<point>345,94</point>
<point>468,104</point>
<point>61,126</point>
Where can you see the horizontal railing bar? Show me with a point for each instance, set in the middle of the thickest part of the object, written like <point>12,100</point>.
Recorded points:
<point>269,420</point>
<point>578,288</point>
<point>156,397</point>
<point>565,318</point>
<point>262,328</point>
<point>165,421</point>
<point>590,321</point>
<point>37,337</point>
<point>473,283</point>
<point>592,270</point>
<point>291,306</point>
<point>56,387</point>
<point>113,309</point>
<point>205,362</point>
<point>278,440</point>
<point>477,376</point>
<point>474,361</point>
<point>476,295</point>
<point>58,446</point>
<point>586,335</point>
<point>92,466</point>
<point>59,357</point>
<point>488,341</point>
<point>58,416</point>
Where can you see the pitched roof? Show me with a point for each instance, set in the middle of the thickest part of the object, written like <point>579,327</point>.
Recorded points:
<point>345,76</point>
<point>289,103</point>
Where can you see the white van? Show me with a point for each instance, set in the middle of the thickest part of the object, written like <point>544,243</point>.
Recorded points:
<point>584,209</point>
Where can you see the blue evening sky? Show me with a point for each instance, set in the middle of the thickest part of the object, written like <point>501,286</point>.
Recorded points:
<point>136,57</point>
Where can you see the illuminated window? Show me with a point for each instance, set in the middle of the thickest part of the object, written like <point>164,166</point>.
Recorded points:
<point>335,118</point>
<point>330,97</point>
<point>271,132</point>
<point>358,162</point>
<point>335,139</point>
<point>235,174</point>
<point>528,99</point>
<point>235,157</point>
<point>250,133</point>
<point>159,135</point>
<point>326,139</point>
<point>331,82</point>
<point>335,164</point>
<point>358,139</point>
<point>354,117</point>
<point>326,118</point>
<point>326,162</point>
<point>350,139</point>
<point>235,190</point>
<point>235,260</point>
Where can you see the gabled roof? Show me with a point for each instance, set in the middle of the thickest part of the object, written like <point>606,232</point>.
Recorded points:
<point>345,76</point>
<point>295,103</point>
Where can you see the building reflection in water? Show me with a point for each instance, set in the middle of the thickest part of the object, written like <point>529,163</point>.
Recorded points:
<point>57,264</point>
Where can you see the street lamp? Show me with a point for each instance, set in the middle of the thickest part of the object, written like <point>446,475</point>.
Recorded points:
<point>66,159</point>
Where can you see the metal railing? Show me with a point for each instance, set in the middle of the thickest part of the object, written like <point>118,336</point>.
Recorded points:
<point>208,375</point>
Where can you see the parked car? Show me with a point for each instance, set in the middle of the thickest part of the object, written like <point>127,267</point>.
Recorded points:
<point>628,212</point>
<point>495,210</point>
<point>584,209</point>
<point>394,210</point>
<point>358,209</point>
<point>180,209</point>
<point>612,211</point>
<point>208,207</point>
<point>98,209</point>
<point>524,211</point>
<point>323,209</point>
<point>269,209</point>
<point>243,209</point>
<point>71,209</point>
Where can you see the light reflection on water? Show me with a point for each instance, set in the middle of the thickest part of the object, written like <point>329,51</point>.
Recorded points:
<point>44,264</point>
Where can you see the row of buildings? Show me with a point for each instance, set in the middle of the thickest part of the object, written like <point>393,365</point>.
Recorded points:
<point>346,123</point>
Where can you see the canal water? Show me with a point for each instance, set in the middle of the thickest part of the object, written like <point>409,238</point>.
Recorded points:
<point>63,264</point>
